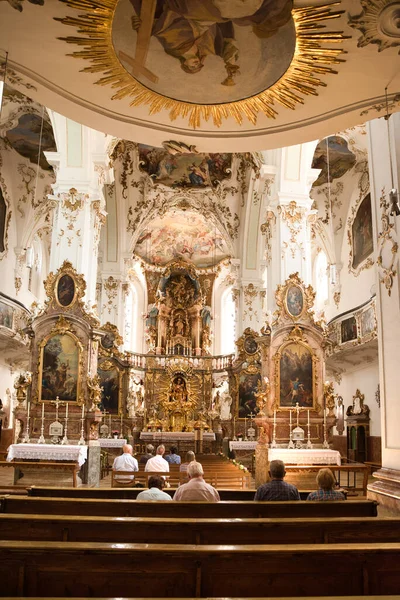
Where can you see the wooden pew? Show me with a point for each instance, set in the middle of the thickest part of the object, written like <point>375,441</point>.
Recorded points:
<point>74,569</point>
<point>198,531</point>
<point>231,478</point>
<point>71,468</point>
<point>218,510</point>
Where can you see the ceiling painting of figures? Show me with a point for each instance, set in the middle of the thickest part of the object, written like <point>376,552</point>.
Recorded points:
<point>184,170</point>
<point>332,154</point>
<point>181,234</point>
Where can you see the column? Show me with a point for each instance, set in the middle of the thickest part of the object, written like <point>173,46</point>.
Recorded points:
<point>384,174</point>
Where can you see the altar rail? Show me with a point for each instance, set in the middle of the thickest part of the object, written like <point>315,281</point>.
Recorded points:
<point>183,510</point>
<point>90,569</point>
<point>66,528</point>
<point>220,362</point>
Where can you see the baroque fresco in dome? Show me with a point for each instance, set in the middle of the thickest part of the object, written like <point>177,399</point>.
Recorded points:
<point>341,159</point>
<point>184,170</point>
<point>31,135</point>
<point>205,52</point>
<point>181,235</point>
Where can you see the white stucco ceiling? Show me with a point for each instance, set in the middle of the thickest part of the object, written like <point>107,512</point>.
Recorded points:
<point>37,55</point>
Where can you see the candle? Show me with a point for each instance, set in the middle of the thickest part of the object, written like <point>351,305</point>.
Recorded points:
<point>121,423</point>
<point>274,416</point>
<point>245,427</point>
<point>324,417</point>
<point>66,410</point>
<point>29,408</point>
<point>42,411</point>
<point>308,418</point>
<point>110,423</point>
<point>83,410</point>
<point>290,419</point>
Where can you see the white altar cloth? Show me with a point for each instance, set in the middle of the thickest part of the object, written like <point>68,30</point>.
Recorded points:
<point>180,436</point>
<point>242,445</point>
<point>111,443</point>
<point>48,452</point>
<point>318,456</point>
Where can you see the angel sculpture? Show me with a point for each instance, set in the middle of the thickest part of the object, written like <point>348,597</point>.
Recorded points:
<point>95,390</point>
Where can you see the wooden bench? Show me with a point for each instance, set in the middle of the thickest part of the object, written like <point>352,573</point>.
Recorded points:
<point>345,475</point>
<point>198,531</point>
<point>200,510</point>
<point>55,466</point>
<point>77,569</point>
<point>234,478</point>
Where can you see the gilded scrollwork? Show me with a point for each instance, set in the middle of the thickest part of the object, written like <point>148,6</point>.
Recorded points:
<point>378,23</point>
<point>51,286</point>
<point>267,229</point>
<point>385,239</point>
<point>110,286</point>
<point>294,300</point>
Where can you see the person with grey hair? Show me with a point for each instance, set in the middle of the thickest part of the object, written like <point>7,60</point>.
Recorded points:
<point>158,463</point>
<point>277,489</point>
<point>196,489</point>
<point>125,462</point>
<point>149,454</point>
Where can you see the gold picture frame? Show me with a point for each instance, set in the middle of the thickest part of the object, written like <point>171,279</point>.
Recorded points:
<point>108,385</point>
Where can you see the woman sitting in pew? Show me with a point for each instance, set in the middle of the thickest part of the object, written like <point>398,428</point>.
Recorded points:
<point>326,483</point>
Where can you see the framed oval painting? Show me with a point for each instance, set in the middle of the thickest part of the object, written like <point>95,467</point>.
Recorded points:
<point>250,345</point>
<point>294,301</point>
<point>65,290</point>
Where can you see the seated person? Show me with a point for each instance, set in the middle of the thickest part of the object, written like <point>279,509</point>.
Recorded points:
<point>149,454</point>
<point>326,483</point>
<point>190,457</point>
<point>196,489</point>
<point>173,458</point>
<point>277,489</point>
<point>125,462</point>
<point>156,485</point>
<point>157,463</point>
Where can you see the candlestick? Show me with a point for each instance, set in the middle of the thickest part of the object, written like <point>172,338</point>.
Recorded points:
<point>309,444</point>
<point>121,436</point>
<point>65,440</point>
<point>325,444</point>
<point>66,410</point>
<point>109,428</point>
<point>41,439</point>
<point>29,410</point>
<point>83,411</point>
<point>273,443</point>
<point>290,444</point>
<point>245,430</point>
<point>234,429</point>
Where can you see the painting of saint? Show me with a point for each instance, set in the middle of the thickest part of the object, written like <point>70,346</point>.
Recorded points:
<point>65,290</point>
<point>361,233</point>
<point>250,345</point>
<point>60,369</point>
<point>294,301</point>
<point>296,376</point>
<point>6,315</point>
<point>248,387</point>
<point>368,323</point>
<point>205,52</point>
<point>178,392</point>
<point>109,382</point>
<point>348,330</point>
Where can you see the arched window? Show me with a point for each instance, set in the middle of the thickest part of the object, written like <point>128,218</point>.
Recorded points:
<point>321,280</point>
<point>227,323</point>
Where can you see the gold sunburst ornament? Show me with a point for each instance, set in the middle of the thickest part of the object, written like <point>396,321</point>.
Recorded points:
<point>232,60</point>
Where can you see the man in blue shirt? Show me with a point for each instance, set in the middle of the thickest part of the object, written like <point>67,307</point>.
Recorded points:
<point>173,458</point>
<point>277,489</point>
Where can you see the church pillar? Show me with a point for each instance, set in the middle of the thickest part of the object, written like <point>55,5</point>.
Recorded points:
<point>384,175</point>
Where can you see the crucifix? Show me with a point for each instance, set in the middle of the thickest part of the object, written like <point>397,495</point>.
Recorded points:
<point>137,63</point>
<point>58,403</point>
<point>251,415</point>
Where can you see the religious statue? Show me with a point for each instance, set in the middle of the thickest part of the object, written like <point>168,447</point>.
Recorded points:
<point>95,390</point>
<point>206,316</point>
<point>206,341</point>
<point>226,402</point>
<point>263,396</point>
<point>329,396</point>
<point>178,391</point>
<point>21,385</point>
<point>94,431</point>
<point>151,317</point>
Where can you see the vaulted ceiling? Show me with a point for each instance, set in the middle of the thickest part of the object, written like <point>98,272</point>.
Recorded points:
<point>221,75</point>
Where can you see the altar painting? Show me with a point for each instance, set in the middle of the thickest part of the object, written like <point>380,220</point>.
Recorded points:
<point>248,387</point>
<point>294,301</point>
<point>296,376</point>
<point>184,170</point>
<point>59,369</point>
<point>110,384</point>
<point>361,233</point>
<point>6,315</point>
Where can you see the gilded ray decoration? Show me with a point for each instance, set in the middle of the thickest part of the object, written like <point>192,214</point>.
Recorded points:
<point>311,58</point>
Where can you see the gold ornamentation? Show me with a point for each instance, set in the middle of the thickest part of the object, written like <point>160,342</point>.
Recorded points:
<point>305,297</point>
<point>95,390</point>
<point>111,365</point>
<point>51,287</point>
<point>363,187</point>
<point>378,23</point>
<point>73,200</point>
<point>391,105</point>
<point>22,383</point>
<point>386,237</point>
<point>329,397</point>
<point>312,58</point>
<point>111,340</point>
<point>250,293</point>
<point>267,229</point>
<point>111,289</point>
<point>248,347</point>
<point>336,298</point>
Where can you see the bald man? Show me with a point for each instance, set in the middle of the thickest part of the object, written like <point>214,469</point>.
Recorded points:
<point>125,462</point>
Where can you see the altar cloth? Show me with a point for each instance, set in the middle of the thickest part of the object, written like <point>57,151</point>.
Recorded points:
<point>48,452</point>
<point>179,436</point>
<point>316,456</point>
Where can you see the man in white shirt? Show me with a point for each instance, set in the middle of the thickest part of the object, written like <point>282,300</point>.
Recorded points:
<point>157,463</point>
<point>196,490</point>
<point>125,462</point>
<point>156,484</point>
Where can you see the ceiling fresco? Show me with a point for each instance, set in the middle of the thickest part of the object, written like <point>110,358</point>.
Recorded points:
<point>184,170</point>
<point>341,159</point>
<point>30,134</point>
<point>181,234</point>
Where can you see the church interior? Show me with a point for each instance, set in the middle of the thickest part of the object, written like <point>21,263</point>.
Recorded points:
<point>199,249</point>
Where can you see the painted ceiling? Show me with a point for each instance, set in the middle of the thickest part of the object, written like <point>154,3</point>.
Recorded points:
<point>181,234</point>
<point>223,75</point>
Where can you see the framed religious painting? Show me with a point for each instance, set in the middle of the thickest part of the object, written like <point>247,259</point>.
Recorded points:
<point>368,322</point>
<point>294,301</point>
<point>65,290</point>
<point>248,385</point>
<point>6,315</point>
<point>110,376</point>
<point>295,366</point>
<point>250,345</point>
<point>60,368</point>
<point>348,330</point>
<point>360,237</point>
